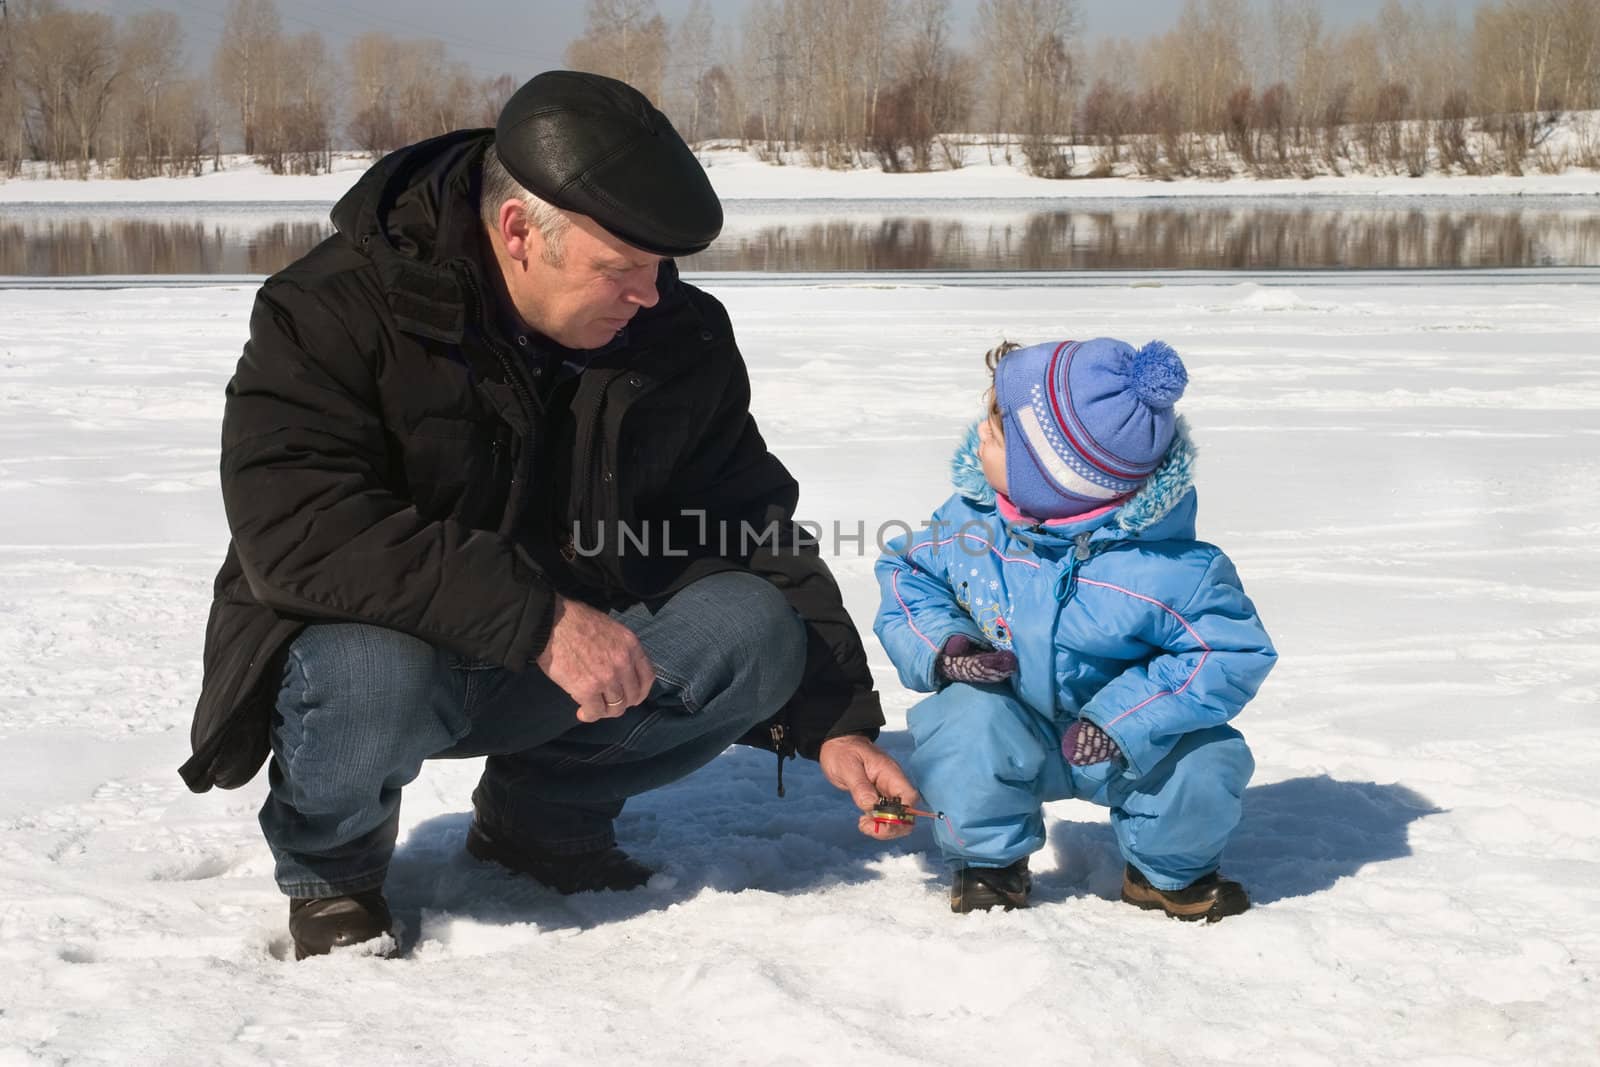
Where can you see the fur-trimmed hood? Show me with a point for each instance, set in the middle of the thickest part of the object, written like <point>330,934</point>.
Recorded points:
<point>1164,507</point>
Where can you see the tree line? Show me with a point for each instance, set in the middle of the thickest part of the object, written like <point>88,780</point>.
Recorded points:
<point>80,91</point>
<point>1263,85</point>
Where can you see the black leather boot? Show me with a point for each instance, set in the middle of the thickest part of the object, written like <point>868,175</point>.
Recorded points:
<point>318,924</point>
<point>1211,897</point>
<point>566,873</point>
<point>983,888</point>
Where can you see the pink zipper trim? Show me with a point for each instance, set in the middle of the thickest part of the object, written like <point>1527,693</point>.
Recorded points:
<point>982,541</point>
<point>895,582</point>
<point>1185,622</point>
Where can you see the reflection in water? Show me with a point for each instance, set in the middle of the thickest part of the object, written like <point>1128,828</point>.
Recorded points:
<point>1208,235</point>
<point>109,245</point>
<point>1172,237</point>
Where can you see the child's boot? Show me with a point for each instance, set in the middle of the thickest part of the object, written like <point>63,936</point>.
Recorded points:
<point>1211,897</point>
<point>982,888</point>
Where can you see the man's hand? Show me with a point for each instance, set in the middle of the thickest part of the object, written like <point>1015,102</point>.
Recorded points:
<point>597,660</point>
<point>867,772</point>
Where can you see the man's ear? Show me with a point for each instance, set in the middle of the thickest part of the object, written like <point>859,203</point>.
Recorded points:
<point>522,240</point>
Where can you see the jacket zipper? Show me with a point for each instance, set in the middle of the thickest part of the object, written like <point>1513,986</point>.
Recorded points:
<point>777,732</point>
<point>496,458</point>
<point>594,424</point>
<point>524,396</point>
<point>592,430</point>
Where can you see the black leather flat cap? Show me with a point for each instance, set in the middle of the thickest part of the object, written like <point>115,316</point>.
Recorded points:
<point>595,145</point>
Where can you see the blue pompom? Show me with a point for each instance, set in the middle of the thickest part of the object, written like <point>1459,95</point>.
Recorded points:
<point>1157,375</point>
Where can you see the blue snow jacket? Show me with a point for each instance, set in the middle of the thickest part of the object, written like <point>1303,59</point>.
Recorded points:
<point>1120,617</point>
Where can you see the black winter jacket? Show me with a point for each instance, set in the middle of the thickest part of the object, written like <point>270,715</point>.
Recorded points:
<point>389,458</point>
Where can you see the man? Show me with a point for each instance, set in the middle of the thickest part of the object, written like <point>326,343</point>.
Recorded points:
<point>495,489</point>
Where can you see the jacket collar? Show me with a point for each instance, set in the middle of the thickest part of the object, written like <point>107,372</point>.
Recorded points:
<point>1164,506</point>
<point>415,215</point>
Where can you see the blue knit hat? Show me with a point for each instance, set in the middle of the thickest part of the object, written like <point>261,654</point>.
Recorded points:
<point>1086,422</point>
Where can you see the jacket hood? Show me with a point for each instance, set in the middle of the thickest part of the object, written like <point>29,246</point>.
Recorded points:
<point>415,215</point>
<point>406,200</point>
<point>1163,508</point>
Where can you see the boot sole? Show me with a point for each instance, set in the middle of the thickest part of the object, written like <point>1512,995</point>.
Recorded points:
<point>1212,910</point>
<point>980,896</point>
<point>301,953</point>
<point>967,907</point>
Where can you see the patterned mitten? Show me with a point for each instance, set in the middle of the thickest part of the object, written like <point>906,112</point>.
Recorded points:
<point>962,660</point>
<point>1085,743</point>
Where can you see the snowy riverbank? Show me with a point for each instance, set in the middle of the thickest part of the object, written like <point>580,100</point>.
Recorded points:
<point>739,175</point>
<point>1404,473</point>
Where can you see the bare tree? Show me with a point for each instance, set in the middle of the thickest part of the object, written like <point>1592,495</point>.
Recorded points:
<point>1576,69</point>
<point>295,116</point>
<point>491,96</point>
<point>11,107</point>
<point>1398,31</point>
<point>66,66</point>
<point>1204,56</point>
<point>91,73</point>
<point>624,39</point>
<point>1033,73</point>
<point>371,60</point>
<point>807,97</point>
<point>931,78</point>
<point>701,95</point>
<point>869,41</point>
<point>1514,50</point>
<point>1263,82</point>
<point>692,59</point>
<point>39,73</point>
<point>152,61</point>
<point>189,126</point>
<point>431,94</point>
<point>245,60</point>
<point>766,70</point>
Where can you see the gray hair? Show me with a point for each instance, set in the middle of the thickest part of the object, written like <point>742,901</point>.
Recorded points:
<point>499,186</point>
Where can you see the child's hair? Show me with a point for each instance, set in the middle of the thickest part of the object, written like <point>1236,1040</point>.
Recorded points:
<point>991,359</point>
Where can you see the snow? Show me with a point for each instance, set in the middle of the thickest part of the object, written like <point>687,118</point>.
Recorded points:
<point>740,175</point>
<point>737,174</point>
<point>1407,475</point>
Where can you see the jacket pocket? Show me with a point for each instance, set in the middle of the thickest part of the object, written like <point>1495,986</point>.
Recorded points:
<point>445,459</point>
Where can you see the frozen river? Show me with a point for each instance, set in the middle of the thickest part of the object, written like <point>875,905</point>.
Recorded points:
<point>1406,476</point>
<point>789,236</point>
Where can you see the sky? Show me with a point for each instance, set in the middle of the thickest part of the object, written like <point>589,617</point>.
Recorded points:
<point>484,32</point>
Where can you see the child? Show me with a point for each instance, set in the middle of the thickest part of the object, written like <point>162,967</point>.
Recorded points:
<point>1078,640</point>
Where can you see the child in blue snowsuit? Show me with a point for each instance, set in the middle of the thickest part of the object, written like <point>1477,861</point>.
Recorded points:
<point>1077,639</point>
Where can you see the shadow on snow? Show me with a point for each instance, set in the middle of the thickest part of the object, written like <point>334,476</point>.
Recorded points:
<point>725,829</point>
<point>1297,837</point>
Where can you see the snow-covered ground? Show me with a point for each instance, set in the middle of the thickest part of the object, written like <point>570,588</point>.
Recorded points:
<point>738,175</point>
<point>1408,477</point>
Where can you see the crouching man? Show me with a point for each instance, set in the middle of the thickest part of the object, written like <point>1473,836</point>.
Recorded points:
<point>488,464</point>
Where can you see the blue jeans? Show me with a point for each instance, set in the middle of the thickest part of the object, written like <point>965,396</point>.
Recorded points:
<point>989,763</point>
<point>361,707</point>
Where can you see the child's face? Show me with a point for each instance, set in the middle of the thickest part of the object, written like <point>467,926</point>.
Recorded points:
<point>992,453</point>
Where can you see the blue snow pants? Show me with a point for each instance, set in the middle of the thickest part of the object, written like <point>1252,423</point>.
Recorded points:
<point>989,763</point>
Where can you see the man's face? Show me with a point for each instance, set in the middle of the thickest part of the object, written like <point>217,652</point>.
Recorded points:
<point>597,284</point>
